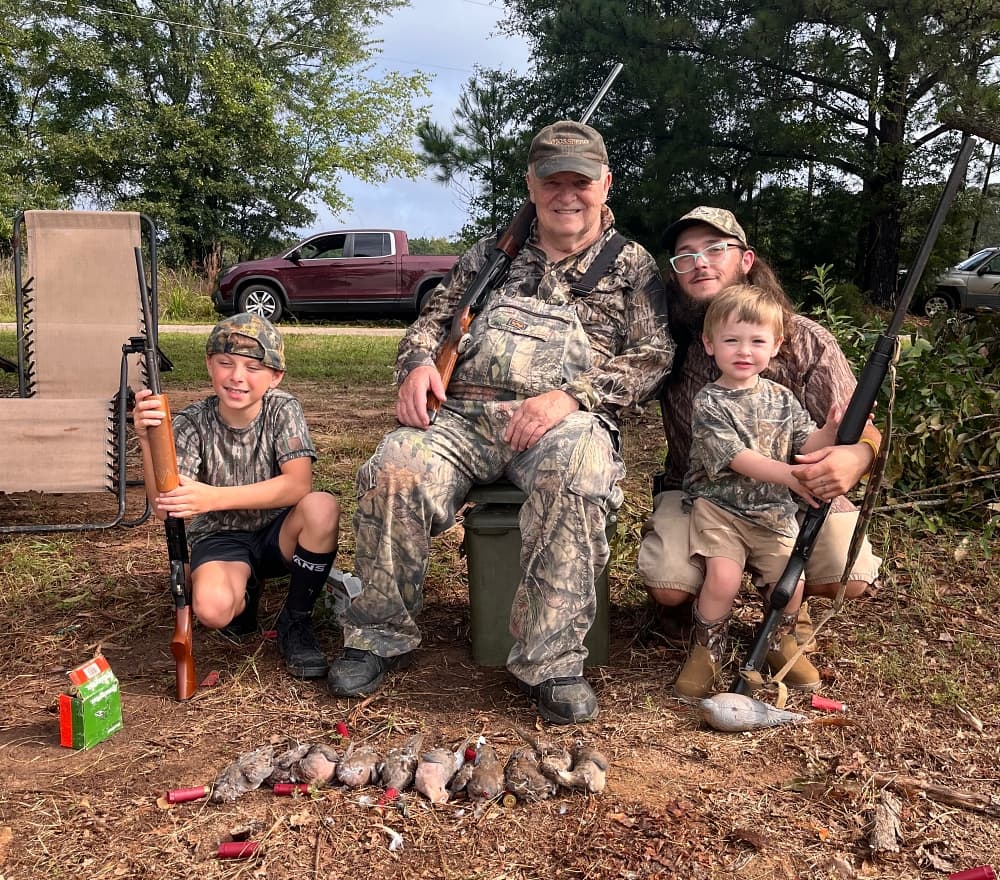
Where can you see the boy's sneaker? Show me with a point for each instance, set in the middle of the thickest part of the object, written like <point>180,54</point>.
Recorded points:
<point>803,676</point>
<point>297,644</point>
<point>245,623</point>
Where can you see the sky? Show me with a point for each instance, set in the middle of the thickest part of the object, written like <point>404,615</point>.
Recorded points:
<point>443,38</point>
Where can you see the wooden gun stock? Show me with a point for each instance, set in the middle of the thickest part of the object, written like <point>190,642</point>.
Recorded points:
<point>164,456</point>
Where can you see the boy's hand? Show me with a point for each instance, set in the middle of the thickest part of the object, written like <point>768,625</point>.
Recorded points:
<point>147,413</point>
<point>188,499</point>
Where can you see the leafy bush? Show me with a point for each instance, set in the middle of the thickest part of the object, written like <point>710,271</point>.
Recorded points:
<point>944,461</point>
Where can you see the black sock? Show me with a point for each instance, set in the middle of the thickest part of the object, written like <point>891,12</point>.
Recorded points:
<point>308,574</point>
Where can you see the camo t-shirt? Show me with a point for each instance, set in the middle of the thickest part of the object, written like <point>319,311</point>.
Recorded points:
<point>725,422</point>
<point>212,452</point>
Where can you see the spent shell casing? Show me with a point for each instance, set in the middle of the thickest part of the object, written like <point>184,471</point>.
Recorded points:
<point>237,849</point>
<point>182,795</point>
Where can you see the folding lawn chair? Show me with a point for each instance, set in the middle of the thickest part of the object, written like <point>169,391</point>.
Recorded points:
<point>79,322</point>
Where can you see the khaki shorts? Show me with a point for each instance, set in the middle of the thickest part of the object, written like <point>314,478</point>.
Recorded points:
<point>665,555</point>
<point>716,532</point>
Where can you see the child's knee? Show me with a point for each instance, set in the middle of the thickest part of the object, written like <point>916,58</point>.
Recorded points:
<point>320,511</point>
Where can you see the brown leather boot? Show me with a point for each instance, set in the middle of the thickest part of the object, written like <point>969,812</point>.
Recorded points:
<point>803,676</point>
<point>698,678</point>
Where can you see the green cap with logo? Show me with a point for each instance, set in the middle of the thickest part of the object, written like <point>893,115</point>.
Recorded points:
<point>718,218</point>
<point>248,335</point>
<point>568,146</point>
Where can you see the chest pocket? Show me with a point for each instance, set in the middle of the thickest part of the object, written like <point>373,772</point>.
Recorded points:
<point>526,346</point>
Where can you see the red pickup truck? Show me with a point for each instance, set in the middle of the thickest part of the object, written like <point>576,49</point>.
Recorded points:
<point>350,271</point>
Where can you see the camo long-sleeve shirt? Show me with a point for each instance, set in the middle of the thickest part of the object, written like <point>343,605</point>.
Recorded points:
<point>627,347</point>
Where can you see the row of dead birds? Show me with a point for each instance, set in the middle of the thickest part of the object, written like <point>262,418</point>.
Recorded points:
<point>533,772</point>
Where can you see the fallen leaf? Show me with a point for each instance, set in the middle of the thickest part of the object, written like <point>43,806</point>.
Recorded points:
<point>946,637</point>
<point>300,820</point>
<point>6,836</point>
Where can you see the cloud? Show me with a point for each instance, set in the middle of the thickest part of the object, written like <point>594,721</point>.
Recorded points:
<point>445,38</point>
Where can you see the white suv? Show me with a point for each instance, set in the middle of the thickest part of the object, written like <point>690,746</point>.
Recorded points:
<point>973,285</point>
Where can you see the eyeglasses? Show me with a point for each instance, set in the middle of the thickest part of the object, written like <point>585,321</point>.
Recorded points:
<point>714,253</point>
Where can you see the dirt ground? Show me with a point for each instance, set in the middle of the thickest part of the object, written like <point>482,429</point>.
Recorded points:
<point>682,801</point>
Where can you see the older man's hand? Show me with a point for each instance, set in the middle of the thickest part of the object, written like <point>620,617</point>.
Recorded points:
<point>832,470</point>
<point>537,415</point>
<point>411,403</point>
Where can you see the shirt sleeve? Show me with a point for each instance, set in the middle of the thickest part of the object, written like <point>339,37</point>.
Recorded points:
<point>630,378</point>
<point>290,432</point>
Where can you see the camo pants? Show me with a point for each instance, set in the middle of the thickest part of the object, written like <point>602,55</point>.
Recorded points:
<point>410,489</point>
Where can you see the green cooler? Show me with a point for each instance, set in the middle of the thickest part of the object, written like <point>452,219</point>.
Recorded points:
<point>493,549</point>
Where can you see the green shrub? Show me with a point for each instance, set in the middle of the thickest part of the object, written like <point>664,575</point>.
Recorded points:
<point>944,461</point>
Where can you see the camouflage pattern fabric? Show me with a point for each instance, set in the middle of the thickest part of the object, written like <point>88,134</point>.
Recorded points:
<point>725,422</point>
<point>617,357</point>
<point>410,489</point>
<point>212,452</point>
<point>809,363</point>
<point>609,350</point>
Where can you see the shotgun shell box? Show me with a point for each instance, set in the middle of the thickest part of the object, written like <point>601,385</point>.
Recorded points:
<point>92,710</point>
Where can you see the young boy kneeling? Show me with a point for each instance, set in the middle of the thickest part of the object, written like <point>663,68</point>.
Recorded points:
<point>244,459</point>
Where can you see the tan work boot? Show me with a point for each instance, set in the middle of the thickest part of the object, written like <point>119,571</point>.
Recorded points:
<point>803,676</point>
<point>698,678</point>
<point>804,634</point>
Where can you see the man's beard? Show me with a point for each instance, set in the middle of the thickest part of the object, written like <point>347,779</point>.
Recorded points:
<point>688,315</point>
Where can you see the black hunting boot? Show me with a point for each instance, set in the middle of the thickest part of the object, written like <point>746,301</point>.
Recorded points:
<point>802,676</point>
<point>298,645</point>
<point>698,679</point>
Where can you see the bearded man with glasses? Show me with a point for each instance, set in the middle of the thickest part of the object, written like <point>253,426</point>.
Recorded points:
<point>709,253</point>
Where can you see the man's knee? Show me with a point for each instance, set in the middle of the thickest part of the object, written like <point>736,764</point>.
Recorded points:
<point>852,590</point>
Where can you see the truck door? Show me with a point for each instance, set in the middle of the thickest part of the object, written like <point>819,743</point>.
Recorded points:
<point>369,267</point>
<point>312,279</point>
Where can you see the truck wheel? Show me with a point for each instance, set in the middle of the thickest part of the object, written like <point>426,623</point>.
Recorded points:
<point>937,303</point>
<point>261,299</point>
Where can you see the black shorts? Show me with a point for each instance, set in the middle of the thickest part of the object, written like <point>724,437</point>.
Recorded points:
<point>260,550</point>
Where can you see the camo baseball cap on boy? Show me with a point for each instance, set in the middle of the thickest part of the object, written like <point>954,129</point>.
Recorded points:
<point>248,335</point>
<point>718,218</point>
<point>568,146</point>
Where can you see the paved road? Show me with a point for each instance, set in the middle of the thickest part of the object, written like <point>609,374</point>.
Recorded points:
<point>286,329</point>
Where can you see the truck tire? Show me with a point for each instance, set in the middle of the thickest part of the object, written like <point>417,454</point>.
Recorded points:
<point>261,299</point>
<point>425,292</point>
<point>938,303</point>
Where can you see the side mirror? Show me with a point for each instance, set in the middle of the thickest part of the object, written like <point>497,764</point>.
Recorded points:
<point>294,256</point>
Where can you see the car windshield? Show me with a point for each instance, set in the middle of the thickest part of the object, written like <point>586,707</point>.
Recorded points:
<point>976,260</point>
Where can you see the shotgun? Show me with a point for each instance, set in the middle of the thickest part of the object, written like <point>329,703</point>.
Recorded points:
<point>164,455</point>
<point>852,425</point>
<point>492,273</point>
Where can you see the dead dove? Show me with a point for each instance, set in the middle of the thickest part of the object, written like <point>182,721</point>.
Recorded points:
<point>285,765</point>
<point>524,780</point>
<point>357,767</point>
<point>734,712</point>
<point>397,770</point>
<point>486,781</point>
<point>435,770</point>
<point>589,773</point>
<point>461,779</point>
<point>246,773</point>
<point>552,757</point>
<point>319,765</point>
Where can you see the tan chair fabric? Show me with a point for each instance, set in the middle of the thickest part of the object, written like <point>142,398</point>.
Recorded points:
<point>56,445</point>
<point>85,299</point>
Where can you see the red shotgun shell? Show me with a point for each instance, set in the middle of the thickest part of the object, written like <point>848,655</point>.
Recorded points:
<point>342,730</point>
<point>290,788</point>
<point>983,872</point>
<point>181,795</point>
<point>237,849</point>
<point>827,705</point>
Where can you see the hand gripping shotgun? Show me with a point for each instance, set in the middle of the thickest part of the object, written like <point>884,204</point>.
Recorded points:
<point>164,454</point>
<point>852,425</point>
<point>492,273</point>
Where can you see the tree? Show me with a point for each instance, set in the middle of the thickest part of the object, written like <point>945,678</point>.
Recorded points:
<point>224,120</point>
<point>725,100</point>
<point>483,155</point>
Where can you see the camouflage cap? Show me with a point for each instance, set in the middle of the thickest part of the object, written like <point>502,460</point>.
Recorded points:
<point>248,335</point>
<point>718,218</point>
<point>568,146</point>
